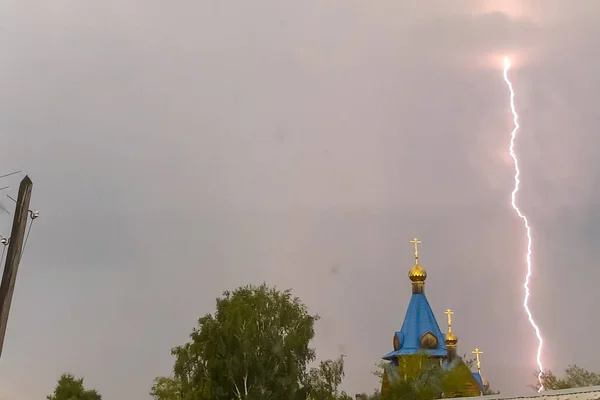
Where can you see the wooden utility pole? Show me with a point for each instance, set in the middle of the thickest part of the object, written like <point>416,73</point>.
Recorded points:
<point>13,257</point>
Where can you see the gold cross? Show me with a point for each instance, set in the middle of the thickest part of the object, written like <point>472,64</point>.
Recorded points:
<point>416,242</point>
<point>477,352</point>
<point>449,313</point>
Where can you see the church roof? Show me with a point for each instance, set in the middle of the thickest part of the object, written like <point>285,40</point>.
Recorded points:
<point>585,393</point>
<point>418,321</point>
<point>479,380</point>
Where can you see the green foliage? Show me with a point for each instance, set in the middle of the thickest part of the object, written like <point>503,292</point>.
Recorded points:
<point>380,369</point>
<point>469,361</point>
<point>70,388</point>
<point>454,381</point>
<point>323,382</point>
<point>575,377</point>
<point>166,388</point>
<point>373,396</point>
<point>420,377</point>
<point>254,347</point>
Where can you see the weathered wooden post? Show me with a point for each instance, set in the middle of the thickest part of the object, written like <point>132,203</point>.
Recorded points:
<point>13,257</point>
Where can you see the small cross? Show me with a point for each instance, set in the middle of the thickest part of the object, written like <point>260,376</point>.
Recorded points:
<point>416,242</point>
<point>477,352</point>
<point>449,313</point>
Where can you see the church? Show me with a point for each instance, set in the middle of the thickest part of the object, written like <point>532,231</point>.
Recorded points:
<point>421,334</point>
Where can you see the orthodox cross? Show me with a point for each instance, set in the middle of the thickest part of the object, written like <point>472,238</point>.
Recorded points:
<point>416,242</point>
<point>449,313</point>
<point>477,352</point>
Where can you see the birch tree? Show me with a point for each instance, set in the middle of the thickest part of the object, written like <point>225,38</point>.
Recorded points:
<point>254,347</point>
<point>574,377</point>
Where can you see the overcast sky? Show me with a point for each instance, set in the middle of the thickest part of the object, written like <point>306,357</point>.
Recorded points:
<point>181,148</point>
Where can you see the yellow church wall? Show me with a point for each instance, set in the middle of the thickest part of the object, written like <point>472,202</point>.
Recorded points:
<point>467,388</point>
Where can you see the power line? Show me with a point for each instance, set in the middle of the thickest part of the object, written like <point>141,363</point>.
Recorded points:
<point>11,174</point>
<point>3,251</point>
<point>32,215</point>
<point>27,236</point>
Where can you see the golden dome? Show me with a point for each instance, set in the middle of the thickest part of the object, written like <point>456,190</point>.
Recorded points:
<point>417,274</point>
<point>451,339</point>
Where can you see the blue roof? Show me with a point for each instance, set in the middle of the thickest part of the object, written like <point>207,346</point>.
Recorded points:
<point>479,380</point>
<point>419,320</point>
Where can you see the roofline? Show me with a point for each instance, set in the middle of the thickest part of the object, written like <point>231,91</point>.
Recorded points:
<point>562,392</point>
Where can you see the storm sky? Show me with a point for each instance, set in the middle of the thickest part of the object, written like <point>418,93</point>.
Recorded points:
<point>182,148</point>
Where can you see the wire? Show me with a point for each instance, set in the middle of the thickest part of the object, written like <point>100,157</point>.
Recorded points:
<point>25,242</point>
<point>12,173</point>
<point>26,238</point>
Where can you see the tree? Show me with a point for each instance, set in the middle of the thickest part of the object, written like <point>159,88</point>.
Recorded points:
<point>575,377</point>
<point>254,347</point>
<point>323,382</point>
<point>417,377</point>
<point>420,377</point>
<point>166,388</point>
<point>373,396</point>
<point>70,388</point>
<point>469,361</point>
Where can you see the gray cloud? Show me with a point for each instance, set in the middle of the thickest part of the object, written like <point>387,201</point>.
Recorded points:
<point>179,150</point>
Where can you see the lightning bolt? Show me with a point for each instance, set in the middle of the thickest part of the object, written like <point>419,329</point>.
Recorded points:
<point>513,154</point>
